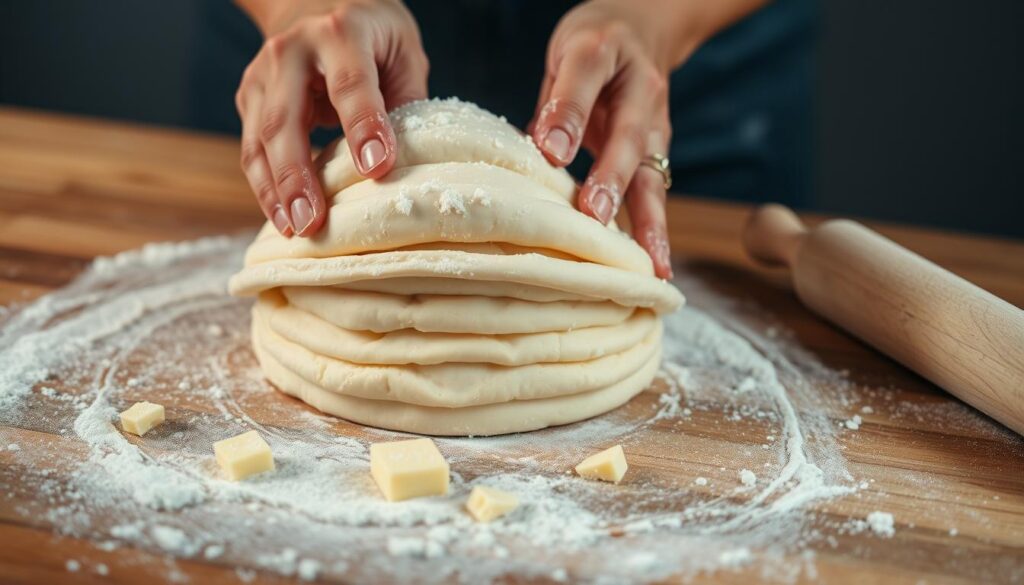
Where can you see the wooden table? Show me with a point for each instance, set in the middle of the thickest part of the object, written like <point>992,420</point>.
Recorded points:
<point>71,189</point>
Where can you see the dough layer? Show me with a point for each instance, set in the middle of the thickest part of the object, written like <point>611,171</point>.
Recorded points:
<point>490,419</point>
<point>409,346</point>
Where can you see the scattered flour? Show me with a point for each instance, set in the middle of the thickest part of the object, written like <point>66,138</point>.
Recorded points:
<point>403,203</point>
<point>735,557</point>
<point>173,540</point>
<point>748,478</point>
<point>882,524</point>
<point>481,197</point>
<point>157,323</point>
<point>854,422</point>
<point>451,202</point>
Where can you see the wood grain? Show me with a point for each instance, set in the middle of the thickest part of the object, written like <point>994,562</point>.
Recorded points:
<point>72,188</point>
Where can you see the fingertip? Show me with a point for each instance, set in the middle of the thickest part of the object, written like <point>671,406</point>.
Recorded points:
<point>376,149</point>
<point>309,210</point>
<point>664,270</point>
<point>557,144</point>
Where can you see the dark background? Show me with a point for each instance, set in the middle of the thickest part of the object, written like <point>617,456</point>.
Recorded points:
<point>916,113</point>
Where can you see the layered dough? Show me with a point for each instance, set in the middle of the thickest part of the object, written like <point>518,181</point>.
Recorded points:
<point>461,294</point>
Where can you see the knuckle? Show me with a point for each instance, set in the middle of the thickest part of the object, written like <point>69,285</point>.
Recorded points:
<point>616,32</point>
<point>274,120</point>
<point>346,83</point>
<point>276,46</point>
<point>251,152</point>
<point>569,110</point>
<point>266,195</point>
<point>424,63</point>
<point>654,82</point>
<point>633,137</point>
<point>589,46</point>
<point>343,19</point>
<point>250,73</point>
<point>361,117</point>
<point>240,101</point>
<point>287,175</point>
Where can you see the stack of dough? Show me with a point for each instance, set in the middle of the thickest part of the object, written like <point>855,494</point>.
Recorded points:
<point>463,294</point>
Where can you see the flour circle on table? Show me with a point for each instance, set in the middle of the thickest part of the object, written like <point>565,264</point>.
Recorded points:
<point>157,325</point>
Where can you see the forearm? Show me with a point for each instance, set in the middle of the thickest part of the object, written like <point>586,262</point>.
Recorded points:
<point>262,12</point>
<point>679,27</point>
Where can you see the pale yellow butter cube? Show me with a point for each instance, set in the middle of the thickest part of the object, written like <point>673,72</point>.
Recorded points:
<point>142,417</point>
<point>486,504</point>
<point>242,456</point>
<point>408,469</point>
<point>608,465</point>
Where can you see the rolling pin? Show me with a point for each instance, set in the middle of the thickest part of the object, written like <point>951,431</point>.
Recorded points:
<point>961,337</point>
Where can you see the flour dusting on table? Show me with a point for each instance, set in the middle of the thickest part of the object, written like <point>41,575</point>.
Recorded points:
<point>156,324</point>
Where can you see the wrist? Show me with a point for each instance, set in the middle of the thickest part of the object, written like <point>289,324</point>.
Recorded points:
<point>266,14</point>
<point>677,28</point>
<point>699,20</point>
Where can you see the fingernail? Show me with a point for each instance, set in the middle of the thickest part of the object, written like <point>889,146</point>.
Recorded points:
<point>281,222</point>
<point>372,154</point>
<point>302,214</point>
<point>601,204</point>
<point>558,144</point>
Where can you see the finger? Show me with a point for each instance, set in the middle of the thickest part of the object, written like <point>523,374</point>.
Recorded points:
<point>353,87</point>
<point>284,131</point>
<point>581,74</point>
<point>617,160</point>
<point>628,121</point>
<point>645,200</point>
<point>254,161</point>
<point>405,79</point>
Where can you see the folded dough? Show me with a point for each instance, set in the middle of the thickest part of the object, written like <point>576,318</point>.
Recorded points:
<point>461,294</point>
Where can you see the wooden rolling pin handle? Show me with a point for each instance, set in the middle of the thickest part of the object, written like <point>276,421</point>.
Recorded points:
<point>961,337</point>
<point>773,235</point>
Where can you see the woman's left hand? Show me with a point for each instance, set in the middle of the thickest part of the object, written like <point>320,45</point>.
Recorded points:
<point>606,89</point>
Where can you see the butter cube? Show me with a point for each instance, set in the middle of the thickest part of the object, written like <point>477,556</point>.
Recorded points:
<point>608,465</point>
<point>141,417</point>
<point>408,469</point>
<point>486,504</point>
<point>244,455</point>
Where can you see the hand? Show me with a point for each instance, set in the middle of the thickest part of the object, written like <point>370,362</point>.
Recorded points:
<point>606,89</point>
<point>347,61</point>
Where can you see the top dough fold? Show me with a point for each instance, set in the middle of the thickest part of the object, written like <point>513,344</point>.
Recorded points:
<point>450,130</point>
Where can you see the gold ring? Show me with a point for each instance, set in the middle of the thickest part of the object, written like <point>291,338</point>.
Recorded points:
<point>659,162</point>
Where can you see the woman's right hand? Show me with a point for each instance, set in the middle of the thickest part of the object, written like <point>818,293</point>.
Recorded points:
<point>323,63</point>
